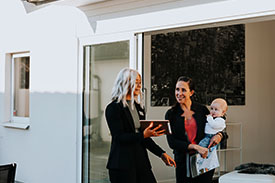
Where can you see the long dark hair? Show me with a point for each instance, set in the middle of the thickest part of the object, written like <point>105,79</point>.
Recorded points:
<point>187,80</point>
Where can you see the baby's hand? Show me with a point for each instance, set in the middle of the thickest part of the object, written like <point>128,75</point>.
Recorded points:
<point>209,116</point>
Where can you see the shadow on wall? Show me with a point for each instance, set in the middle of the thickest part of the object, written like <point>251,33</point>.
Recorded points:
<point>51,139</point>
<point>140,9</point>
<point>2,107</point>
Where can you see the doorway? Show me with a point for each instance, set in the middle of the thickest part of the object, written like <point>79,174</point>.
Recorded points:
<point>102,62</point>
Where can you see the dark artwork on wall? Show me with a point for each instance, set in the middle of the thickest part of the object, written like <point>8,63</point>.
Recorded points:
<point>213,57</point>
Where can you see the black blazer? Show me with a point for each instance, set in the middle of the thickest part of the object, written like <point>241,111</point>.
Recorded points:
<point>127,146</point>
<point>178,140</point>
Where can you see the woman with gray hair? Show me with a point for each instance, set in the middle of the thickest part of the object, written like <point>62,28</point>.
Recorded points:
<point>128,159</point>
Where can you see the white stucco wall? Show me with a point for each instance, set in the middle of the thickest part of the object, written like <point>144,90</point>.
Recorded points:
<point>49,151</point>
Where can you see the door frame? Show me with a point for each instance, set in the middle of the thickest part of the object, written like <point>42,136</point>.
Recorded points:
<point>95,40</point>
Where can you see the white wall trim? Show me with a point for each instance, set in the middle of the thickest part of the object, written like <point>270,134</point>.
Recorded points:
<point>79,114</point>
<point>113,37</point>
<point>106,38</point>
<point>214,22</point>
<point>209,13</point>
<point>21,126</point>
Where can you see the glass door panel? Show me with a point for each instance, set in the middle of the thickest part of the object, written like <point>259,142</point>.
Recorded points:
<point>162,173</point>
<point>102,62</point>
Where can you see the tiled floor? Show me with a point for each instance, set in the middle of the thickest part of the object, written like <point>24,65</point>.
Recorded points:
<point>99,156</point>
<point>216,180</point>
<point>98,160</point>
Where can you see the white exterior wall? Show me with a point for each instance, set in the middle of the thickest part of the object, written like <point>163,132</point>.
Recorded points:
<point>49,151</point>
<point>140,16</point>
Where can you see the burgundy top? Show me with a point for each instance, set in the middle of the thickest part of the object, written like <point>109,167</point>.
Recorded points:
<point>191,129</point>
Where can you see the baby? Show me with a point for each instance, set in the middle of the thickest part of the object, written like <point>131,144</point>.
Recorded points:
<point>215,120</point>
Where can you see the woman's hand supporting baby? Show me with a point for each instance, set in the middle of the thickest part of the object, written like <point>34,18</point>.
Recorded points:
<point>215,140</point>
<point>201,150</point>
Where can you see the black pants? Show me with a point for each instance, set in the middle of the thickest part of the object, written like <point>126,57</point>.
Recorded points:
<point>182,178</point>
<point>138,173</point>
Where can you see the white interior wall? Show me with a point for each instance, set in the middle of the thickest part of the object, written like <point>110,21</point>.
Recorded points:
<point>257,116</point>
<point>112,67</point>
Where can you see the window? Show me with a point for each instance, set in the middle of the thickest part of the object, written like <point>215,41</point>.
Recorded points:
<point>20,88</point>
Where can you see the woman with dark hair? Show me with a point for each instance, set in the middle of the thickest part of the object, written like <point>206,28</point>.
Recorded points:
<point>187,119</point>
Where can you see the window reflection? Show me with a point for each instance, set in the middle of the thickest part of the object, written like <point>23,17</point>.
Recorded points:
<point>21,86</point>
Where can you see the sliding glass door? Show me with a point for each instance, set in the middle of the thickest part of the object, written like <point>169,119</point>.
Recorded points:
<point>102,62</point>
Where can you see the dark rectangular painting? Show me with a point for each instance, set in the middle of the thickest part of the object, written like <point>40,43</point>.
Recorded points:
<point>213,57</point>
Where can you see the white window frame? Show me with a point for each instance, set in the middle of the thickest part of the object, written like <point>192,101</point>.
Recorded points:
<point>15,121</point>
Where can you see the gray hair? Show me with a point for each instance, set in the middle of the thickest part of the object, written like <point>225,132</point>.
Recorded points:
<point>125,83</point>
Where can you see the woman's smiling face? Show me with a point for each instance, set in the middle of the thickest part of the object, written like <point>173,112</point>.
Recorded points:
<point>182,92</point>
<point>137,85</point>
